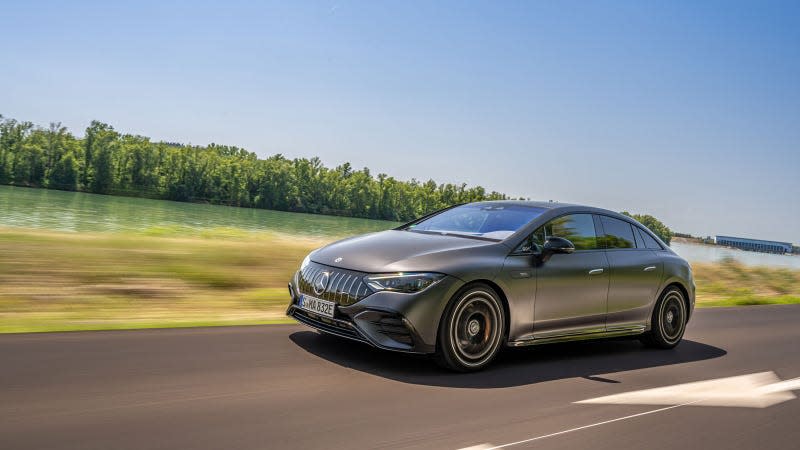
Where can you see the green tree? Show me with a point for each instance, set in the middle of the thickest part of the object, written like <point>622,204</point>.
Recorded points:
<point>29,158</point>
<point>655,225</point>
<point>65,173</point>
<point>6,149</point>
<point>99,146</point>
<point>57,143</point>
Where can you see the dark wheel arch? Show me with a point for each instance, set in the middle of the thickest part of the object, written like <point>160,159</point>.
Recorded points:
<point>468,285</point>
<point>684,291</point>
<point>668,320</point>
<point>443,356</point>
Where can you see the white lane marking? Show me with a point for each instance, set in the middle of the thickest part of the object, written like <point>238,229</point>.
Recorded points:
<point>545,436</point>
<point>756,390</point>
<point>788,385</point>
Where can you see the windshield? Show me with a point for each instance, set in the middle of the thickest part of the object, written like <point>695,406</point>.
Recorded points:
<point>488,221</point>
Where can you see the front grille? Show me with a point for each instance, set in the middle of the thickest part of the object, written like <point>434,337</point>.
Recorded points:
<point>337,327</point>
<point>344,287</point>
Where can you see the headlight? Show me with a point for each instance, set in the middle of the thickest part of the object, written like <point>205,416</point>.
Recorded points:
<point>305,262</point>
<point>402,282</point>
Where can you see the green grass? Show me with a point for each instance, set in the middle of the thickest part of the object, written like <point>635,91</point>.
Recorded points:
<point>53,281</point>
<point>749,300</point>
<point>36,325</point>
<point>178,277</point>
<point>729,283</point>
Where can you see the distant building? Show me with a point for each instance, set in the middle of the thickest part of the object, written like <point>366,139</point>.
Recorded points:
<point>755,245</point>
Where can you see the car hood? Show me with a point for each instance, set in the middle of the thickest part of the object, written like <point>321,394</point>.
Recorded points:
<point>396,251</point>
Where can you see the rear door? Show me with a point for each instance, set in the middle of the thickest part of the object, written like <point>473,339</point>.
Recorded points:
<point>636,273</point>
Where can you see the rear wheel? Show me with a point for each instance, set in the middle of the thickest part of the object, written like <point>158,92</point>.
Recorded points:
<point>471,330</point>
<point>669,320</point>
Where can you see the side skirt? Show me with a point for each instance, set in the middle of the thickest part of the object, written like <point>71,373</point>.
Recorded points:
<point>578,337</point>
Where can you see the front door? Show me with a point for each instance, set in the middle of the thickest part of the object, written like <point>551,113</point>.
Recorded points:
<point>571,289</point>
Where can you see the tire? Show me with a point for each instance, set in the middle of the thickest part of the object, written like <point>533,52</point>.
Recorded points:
<point>668,322</point>
<point>472,329</point>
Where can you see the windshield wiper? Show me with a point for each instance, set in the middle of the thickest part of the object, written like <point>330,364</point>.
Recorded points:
<point>451,233</point>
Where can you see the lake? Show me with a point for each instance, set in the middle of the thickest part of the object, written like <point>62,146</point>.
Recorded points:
<point>76,211</point>
<point>712,253</point>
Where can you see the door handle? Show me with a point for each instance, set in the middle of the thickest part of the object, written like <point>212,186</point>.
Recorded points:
<point>595,271</point>
<point>649,268</point>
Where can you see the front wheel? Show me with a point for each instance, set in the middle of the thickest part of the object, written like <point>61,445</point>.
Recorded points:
<point>471,330</point>
<point>668,322</point>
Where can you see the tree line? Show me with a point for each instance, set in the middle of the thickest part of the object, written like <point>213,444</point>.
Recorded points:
<point>105,161</point>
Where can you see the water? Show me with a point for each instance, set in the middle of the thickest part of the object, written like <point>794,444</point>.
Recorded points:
<point>77,211</point>
<point>711,253</point>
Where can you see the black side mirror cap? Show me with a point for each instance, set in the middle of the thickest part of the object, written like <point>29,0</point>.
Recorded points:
<point>558,245</point>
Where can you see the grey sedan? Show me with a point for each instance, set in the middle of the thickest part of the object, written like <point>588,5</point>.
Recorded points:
<point>465,281</point>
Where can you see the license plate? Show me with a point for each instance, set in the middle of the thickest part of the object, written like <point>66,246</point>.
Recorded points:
<point>316,305</point>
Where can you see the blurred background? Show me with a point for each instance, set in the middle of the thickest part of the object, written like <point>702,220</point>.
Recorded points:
<point>171,163</point>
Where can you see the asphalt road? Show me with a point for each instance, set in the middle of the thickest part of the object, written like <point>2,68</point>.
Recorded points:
<point>288,387</point>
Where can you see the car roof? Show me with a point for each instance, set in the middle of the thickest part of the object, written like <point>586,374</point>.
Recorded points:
<point>556,207</point>
<point>540,204</point>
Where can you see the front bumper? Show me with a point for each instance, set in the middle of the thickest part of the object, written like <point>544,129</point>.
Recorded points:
<point>387,320</point>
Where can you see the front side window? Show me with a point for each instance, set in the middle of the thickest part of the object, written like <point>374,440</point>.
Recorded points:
<point>577,228</point>
<point>618,233</point>
<point>482,220</point>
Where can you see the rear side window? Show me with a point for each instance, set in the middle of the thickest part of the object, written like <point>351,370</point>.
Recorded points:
<point>618,233</point>
<point>638,235</point>
<point>649,242</point>
<point>577,228</point>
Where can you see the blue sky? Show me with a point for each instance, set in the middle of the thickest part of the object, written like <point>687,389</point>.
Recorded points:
<point>689,111</point>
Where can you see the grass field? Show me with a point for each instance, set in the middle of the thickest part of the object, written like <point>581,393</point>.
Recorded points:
<point>83,281</point>
<point>729,283</point>
<point>175,277</point>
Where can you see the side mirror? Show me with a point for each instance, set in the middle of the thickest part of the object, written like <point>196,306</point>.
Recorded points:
<point>555,245</point>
